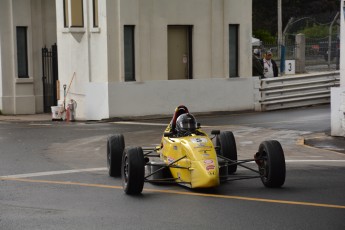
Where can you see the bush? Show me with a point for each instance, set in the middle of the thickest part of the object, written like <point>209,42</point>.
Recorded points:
<point>317,31</point>
<point>264,36</point>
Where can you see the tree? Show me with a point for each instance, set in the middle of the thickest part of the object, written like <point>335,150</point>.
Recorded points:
<point>265,12</point>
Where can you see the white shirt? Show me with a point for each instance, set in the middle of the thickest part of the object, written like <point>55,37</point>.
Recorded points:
<point>268,68</point>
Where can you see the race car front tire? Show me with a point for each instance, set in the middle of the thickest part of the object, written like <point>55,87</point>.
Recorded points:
<point>133,170</point>
<point>272,164</point>
<point>226,142</point>
<point>115,147</point>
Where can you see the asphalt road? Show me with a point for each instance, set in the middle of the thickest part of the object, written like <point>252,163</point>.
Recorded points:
<point>53,176</point>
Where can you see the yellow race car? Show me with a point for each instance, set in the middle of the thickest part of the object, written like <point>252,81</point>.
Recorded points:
<point>189,157</point>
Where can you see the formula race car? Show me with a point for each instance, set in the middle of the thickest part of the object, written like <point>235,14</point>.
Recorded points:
<point>189,157</point>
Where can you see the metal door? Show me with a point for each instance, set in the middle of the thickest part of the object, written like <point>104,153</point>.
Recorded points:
<point>179,52</point>
<point>49,77</point>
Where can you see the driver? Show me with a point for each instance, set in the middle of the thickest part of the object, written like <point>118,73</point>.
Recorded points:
<point>186,124</point>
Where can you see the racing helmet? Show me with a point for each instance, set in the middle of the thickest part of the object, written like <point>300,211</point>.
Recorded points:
<point>186,122</point>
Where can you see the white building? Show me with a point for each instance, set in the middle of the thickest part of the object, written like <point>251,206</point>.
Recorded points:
<point>136,57</point>
<point>25,28</point>
<point>338,93</point>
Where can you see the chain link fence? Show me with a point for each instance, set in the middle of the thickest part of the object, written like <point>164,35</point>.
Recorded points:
<point>316,53</point>
<point>318,49</point>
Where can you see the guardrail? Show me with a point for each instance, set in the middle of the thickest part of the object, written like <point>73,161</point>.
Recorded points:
<point>294,91</point>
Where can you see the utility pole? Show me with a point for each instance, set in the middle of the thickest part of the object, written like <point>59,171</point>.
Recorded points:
<point>330,42</point>
<point>280,34</point>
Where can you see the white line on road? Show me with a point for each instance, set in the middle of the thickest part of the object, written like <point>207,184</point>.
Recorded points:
<point>146,123</point>
<point>297,161</point>
<point>138,123</point>
<point>38,174</point>
<point>53,173</point>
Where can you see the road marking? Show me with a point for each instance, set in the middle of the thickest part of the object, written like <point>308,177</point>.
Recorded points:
<point>53,173</point>
<point>40,124</point>
<point>139,123</point>
<point>146,123</point>
<point>50,173</point>
<point>182,193</point>
<point>322,161</point>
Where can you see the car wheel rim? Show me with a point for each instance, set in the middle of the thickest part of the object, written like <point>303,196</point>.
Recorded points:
<point>125,169</point>
<point>263,168</point>
<point>108,157</point>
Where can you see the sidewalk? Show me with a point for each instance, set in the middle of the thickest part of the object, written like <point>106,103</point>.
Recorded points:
<point>325,141</point>
<point>27,118</point>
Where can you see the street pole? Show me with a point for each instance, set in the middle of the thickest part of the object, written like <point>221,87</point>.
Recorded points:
<point>330,41</point>
<point>280,36</point>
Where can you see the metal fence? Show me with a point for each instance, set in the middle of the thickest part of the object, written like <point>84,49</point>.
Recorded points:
<point>294,91</point>
<point>316,53</point>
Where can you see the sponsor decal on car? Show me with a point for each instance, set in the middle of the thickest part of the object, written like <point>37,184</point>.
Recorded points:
<point>210,167</point>
<point>210,164</point>
<point>209,161</point>
<point>199,140</point>
<point>170,160</point>
<point>203,146</point>
<point>204,152</point>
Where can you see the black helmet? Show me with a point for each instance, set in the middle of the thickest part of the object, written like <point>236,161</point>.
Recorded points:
<point>186,122</point>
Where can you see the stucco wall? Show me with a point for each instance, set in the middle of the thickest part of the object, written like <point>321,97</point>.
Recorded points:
<point>342,44</point>
<point>162,97</point>
<point>7,69</point>
<point>210,20</point>
<point>338,93</point>
<point>25,95</point>
<point>96,56</point>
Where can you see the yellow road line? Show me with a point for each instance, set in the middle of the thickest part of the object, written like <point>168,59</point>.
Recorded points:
<point>181,193</point>
<point>60,182</point>
<point>248,198</point>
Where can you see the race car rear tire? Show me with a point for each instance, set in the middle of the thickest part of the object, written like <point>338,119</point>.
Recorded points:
<point>226,142</point>
<point>133,170</point>
<point>115,147</point>
<point>271,164</point>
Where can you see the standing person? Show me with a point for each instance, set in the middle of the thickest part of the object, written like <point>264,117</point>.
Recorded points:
<point>258,68</point>
<point>270,66</point>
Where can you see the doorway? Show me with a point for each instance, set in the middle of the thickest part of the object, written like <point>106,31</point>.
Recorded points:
<point>180,63</point>
<point>50,77</point>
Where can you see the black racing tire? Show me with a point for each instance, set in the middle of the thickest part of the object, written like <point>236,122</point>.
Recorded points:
<point>226,142</point>
<point>115,147</point>
<point>133,170</point>
<point>272,164</point>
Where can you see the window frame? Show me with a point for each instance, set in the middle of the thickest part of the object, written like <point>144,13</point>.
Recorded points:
<point>72,25</point>
<point>133,77</point>
<point>72,19</point>
<point>95,13</point>
<point>66,13</point>
<point>25,53</point>
<point>236,28</point>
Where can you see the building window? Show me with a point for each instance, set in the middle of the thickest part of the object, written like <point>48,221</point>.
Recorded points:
<point>129,53</point>
<point>65,13</point>
<point>233,50</point>
<point>77,19</point>
<point>73,13</point>
<point>22,52</point>
<point>95,13</point>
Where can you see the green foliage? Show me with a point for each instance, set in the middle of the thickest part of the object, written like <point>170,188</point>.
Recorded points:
<point>264,35</point>
<point>317,31</point>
